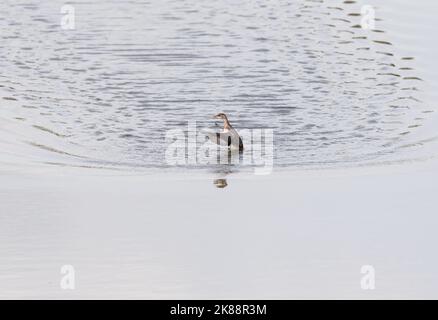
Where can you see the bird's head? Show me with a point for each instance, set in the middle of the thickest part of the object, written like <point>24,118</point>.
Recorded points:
<point>221,116</point>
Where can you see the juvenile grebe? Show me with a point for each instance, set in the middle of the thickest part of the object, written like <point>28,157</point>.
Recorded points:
<point>229,135</point>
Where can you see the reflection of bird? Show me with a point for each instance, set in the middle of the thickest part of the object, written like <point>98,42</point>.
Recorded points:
<point>220,183</point>
<point>229,136</point>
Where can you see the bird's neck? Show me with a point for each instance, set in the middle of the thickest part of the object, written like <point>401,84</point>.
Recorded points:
<point>227,125</point>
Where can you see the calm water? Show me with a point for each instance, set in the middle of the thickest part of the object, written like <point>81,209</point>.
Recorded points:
<point>110,89</point>
<point>104,95</point>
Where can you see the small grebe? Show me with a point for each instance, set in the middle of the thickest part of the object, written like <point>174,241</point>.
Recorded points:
<point>229,135</point>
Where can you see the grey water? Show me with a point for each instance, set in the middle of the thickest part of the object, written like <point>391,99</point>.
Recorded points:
<point>104,95</point>
<point>109,90</point>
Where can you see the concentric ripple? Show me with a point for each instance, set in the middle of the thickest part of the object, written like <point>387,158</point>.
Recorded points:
<point>109,90</point>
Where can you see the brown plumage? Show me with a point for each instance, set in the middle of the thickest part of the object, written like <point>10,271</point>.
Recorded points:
<point>229,135</point>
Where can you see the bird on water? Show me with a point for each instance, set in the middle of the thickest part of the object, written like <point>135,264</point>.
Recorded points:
<point>229,136</point>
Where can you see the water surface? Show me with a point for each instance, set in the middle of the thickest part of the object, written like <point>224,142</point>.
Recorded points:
<point>109,90</point>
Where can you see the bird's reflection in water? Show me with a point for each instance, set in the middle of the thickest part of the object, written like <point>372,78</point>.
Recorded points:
<point>220,183</point>
<point>226,160</point>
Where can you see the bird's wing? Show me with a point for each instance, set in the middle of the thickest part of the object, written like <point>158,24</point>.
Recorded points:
<point>224,138</point>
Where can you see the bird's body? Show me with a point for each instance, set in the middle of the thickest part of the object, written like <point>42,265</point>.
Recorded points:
<point>229,136</point>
